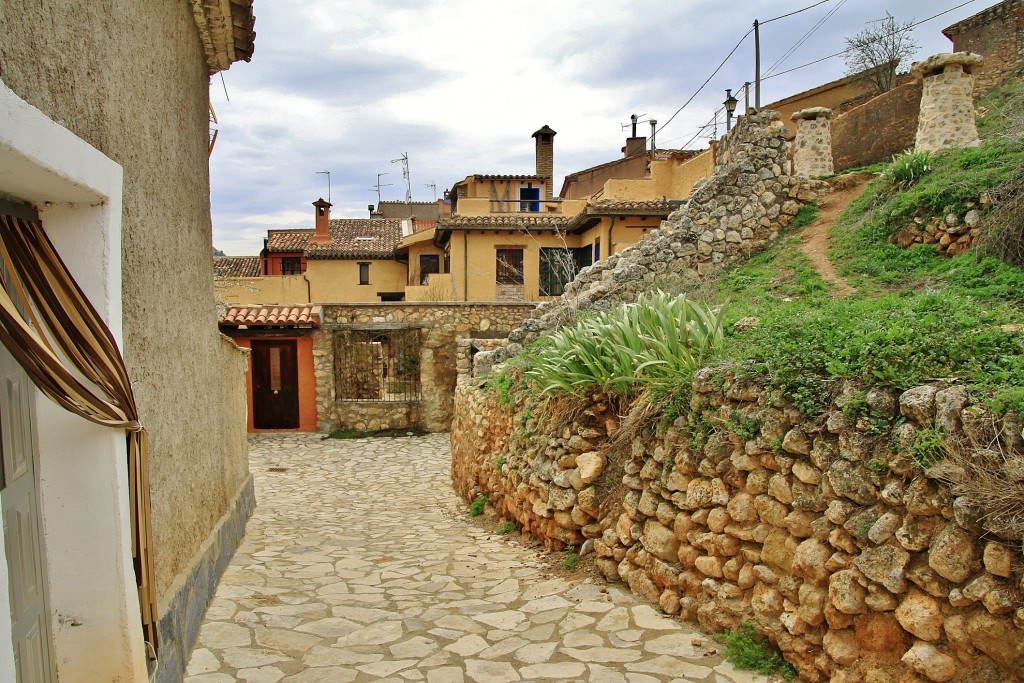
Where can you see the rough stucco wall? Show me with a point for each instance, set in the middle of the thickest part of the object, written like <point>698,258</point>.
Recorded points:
<point>135,87</point>
<point>875,131</point>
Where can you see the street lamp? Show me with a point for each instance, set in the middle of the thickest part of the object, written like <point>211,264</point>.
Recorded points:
<point>730,107</point>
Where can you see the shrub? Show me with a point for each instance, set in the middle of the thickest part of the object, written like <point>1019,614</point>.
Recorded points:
<point>744,649</point>
<point>571,561</point>
<point>907,168</point>
<point>655,344</point>
<point>476,508</point>
<point>507,528</point>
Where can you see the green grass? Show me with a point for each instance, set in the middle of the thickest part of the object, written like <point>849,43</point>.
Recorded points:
<point>745,649</point>
<point>476,508</point>
<point>507,528</point>
<point>359,434</point>
<point>571,561</point>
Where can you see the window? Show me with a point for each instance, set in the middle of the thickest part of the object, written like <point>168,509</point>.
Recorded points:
<point>558,267</point>
<point>429,263</point>
<point>509,264</point>
<point>529,198</point>
<point>364,273</point>
<point>291,265</point>
<point>597,250</point>
<point>377,365</point>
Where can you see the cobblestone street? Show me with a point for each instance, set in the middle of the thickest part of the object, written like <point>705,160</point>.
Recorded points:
<point>360,564</point>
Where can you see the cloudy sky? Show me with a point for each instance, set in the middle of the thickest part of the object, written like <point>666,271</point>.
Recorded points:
<point>460,85</point>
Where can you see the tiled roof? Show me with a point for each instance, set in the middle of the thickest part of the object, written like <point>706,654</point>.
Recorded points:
<point>424,224</point>
<point>272,316</point>
<point>632,208</point>
<point>484,176</point>
<point>503,222</point>
<point>287,240</point>
<point>236,266</point>
<point>348,239</point>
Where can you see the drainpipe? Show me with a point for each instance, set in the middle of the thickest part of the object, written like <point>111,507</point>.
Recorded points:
<point>610,228</point>
<point>309,290</point>
<point>465,265</point>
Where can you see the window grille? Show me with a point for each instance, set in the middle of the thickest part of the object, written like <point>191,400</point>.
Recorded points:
<point>377,365</point>
<point>509,264</point>
<point>559,266</point>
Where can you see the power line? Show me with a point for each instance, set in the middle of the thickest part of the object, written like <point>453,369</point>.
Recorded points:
<point>804,39</point>
<point>708,80</point>
<point>783,16</point>
<point>848,50</point>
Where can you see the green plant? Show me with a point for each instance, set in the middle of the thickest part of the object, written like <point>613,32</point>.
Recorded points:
<point>476,508</point>
<point>878,466</point>
<point>499,463</point>
<point>504,382</point>
<point>572,559</point>
<point>507,528</point>
<point>928,448</point>
<point>654,344</point>
<point>863,529</point>
<point>807,214</point>
<point>742,425</point>
<point>745,649</point>
<point>907,168</point>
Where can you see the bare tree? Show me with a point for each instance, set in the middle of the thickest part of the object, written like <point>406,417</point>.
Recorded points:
<point>877,51</point>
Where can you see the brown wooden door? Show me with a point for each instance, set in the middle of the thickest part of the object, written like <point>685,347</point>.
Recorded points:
<point>275,384</point>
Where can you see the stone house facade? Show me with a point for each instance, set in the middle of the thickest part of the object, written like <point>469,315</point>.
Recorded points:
<point>995,33</point>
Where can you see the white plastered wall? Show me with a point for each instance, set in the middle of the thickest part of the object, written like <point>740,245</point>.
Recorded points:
<point>83,470</point>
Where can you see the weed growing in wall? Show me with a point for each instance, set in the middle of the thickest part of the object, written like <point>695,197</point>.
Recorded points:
<point>745,649</point>
<point>476,508</point>
<point>507,528</point>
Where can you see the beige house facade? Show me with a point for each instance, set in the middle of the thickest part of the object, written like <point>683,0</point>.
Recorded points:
<point>82,93</point>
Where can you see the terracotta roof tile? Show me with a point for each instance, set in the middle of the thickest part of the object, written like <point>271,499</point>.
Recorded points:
<point>304,315</point>
<point>636,208</point>
<point>236,266</point>
<point>372,238</point>
<point>287,240</point>
<point>504,222</point>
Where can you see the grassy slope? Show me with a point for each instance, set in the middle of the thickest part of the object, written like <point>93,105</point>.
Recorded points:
<point>916,315</point>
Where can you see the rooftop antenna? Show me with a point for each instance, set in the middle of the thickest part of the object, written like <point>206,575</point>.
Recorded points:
<point>433,188</point>
<point>632,124</point>
<point>378,186</point>
<point>405,174</point>
<point>328,174</point>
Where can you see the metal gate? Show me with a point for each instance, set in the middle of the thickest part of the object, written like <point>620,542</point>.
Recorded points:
<point>377,365</point>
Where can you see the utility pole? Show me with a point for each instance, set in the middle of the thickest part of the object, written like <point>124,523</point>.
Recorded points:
<point>328,174</point>
<point>378,186</point>
<point>757,66</point>
<point>405,174</point>
<point>433,188</point>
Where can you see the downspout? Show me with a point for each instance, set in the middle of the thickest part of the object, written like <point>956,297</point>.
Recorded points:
<point>610,228</point>
<point>465,265</point>
<point>309,289</point>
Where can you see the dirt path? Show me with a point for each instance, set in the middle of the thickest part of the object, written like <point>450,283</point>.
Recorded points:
<point>814,240</point>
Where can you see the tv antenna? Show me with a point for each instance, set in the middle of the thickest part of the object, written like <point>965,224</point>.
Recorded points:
<point>376,188</point>
<point>405,174</point>
<point>328,174</point>
<point>433,188</point>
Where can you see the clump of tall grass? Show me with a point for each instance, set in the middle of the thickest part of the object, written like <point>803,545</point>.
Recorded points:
<point>653,344</point>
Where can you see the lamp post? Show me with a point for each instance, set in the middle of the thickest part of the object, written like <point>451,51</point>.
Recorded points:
<point>730,107</point>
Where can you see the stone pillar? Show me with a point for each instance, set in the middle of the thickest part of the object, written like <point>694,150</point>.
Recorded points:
<point>947,104</point>
<point>812,149</point>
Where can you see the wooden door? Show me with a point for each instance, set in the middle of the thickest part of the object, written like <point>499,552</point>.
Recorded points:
<point>23,538</point>
<point>275,384</point>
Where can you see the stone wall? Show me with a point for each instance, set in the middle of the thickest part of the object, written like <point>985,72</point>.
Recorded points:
<point>877,130</point>
<point>951,234</point>
<point>947,105</point>
<point>857,564</point>
<point>748,200</point>
<point>997,34</point>
<point>442,326</point>
<point>812,147</point>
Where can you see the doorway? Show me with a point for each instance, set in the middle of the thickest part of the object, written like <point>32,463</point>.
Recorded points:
<point>23,533</point>
<point>275,384</point>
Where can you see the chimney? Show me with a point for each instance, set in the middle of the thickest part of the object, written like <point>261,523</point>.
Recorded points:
<point>635,145</point>
<point>546,158</point>
<point>323,217</point>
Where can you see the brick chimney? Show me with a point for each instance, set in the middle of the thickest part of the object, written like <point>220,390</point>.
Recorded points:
<point>323,217</point>
<point>635,145</point>
<point>546,158</point>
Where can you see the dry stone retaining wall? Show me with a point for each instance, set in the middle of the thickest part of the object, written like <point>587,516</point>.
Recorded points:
<point>947,102</point>
<point>748,200</point>
<point>857,564</point>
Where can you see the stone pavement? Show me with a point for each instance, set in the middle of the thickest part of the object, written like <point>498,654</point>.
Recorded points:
<point>360,564</point>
